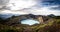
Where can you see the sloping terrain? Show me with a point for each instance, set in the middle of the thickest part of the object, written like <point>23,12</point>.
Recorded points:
<point>51,24</point>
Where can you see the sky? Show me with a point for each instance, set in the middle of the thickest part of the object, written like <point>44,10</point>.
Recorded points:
<point>36,7</point>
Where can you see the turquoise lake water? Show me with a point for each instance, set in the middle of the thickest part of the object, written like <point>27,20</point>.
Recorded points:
<point>29,22</point>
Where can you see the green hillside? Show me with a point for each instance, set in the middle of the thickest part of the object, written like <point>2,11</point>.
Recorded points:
<point>51,26</point>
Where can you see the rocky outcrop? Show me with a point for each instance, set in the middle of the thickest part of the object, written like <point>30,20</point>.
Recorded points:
<point>18,19</point>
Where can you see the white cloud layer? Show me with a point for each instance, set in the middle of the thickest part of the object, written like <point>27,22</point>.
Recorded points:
<point>13,12</point>
<point>36,11</point>
<point>27,4</point>
<point>20,4</point>
<point>43,11</point>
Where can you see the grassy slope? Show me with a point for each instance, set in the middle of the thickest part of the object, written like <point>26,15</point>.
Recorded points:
<point>51,26</point>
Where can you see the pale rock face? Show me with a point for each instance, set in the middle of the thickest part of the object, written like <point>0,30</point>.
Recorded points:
<point>40,19</point>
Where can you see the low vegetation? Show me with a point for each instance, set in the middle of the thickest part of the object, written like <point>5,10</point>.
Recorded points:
<point>51,26</point>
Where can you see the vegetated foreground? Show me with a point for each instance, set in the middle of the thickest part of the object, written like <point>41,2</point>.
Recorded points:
<point>51,26</point>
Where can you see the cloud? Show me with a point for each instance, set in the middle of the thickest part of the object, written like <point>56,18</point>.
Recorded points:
<point>16,4</point>
<point>42,11</point>
<point>37,7</point>
<point>3,4</point>
<point>13,12</point>
<point>51,2</point>
<point>48,2</point>
<point>5,8</point>
<point>56,7</point>
<point>20,4</point>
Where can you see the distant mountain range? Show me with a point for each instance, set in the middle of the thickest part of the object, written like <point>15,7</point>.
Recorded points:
<point>13,20</point>
<point>5,16</point>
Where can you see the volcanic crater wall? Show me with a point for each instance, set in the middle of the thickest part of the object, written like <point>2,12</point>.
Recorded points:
<point>18,19</point>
